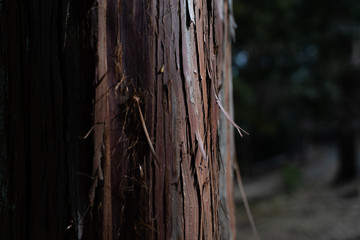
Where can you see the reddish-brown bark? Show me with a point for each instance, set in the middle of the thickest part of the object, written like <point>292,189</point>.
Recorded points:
<point>170,55</point>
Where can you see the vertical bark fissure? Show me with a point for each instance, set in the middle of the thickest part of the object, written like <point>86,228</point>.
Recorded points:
<point>198,31</point>
<point>159,197</point>
<point>188,125</point>
<point>154,170</point>
<point>107,215</point>
<point>198,55</point>
<point>198,185</point>
<point>181,185</point>
<point>102,115</point>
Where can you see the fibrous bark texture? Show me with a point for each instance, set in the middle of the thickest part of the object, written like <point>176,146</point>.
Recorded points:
<point>168,57</point>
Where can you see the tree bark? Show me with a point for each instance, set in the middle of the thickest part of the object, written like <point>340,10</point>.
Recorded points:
<point>140,78</point>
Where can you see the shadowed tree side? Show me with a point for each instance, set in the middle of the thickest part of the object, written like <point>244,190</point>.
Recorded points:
<point>47,69</point>
<point>226,136</point>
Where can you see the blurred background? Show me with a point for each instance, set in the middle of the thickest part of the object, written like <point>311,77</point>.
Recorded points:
<point>296,76</point>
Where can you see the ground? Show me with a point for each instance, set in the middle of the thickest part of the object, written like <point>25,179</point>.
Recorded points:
<point>315,209</point>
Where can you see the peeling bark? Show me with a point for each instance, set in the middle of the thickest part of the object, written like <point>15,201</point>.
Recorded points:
<point>167,55</point>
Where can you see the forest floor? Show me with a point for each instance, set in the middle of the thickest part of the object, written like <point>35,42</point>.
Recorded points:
<point>315,210</point>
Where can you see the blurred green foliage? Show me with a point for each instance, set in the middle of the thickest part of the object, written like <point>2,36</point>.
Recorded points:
<point>291,177</point>
<point>288,61</point>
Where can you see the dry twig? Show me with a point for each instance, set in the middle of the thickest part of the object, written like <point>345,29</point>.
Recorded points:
<point>137,100</point>
<point>237,169</point>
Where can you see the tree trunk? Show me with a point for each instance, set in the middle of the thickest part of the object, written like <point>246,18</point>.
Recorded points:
<point>47,68</point>
<point>348,114</point>
<point>140,78</point>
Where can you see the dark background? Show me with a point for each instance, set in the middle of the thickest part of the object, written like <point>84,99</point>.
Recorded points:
<point>296,79</point>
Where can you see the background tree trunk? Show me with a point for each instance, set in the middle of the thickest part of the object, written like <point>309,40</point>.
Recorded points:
<point>47,68</point>
<point>348,112</point>
<point>147,74</point>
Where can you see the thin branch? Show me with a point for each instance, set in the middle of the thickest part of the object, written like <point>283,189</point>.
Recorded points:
<point>88,133</point>
<point>84,174</point>
<point>146,131</point>
<point>246,204</point>
<point>237,169</point>
<point>239,129</point>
